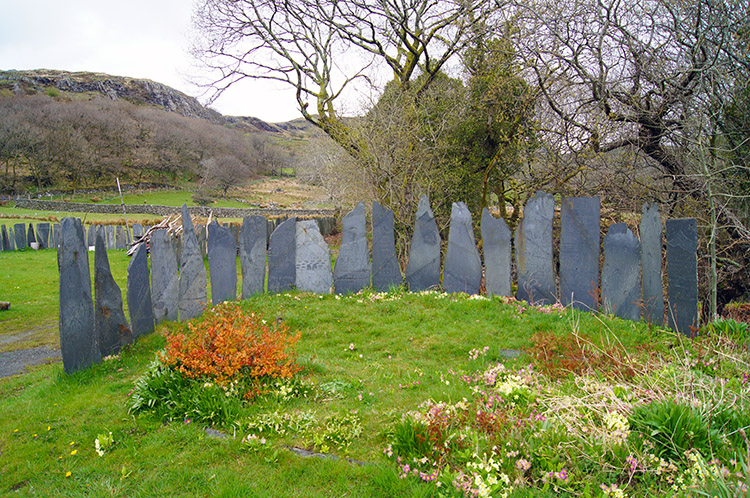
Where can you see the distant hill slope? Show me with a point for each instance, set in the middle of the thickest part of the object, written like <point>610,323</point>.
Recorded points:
<point>56,83</point>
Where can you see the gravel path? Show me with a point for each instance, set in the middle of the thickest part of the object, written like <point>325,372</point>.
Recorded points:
<point>15,362</point>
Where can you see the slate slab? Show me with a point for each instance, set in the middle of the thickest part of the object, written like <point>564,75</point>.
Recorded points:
<point>19,230</point>
<point>222,263</point>
<point>353,269</point>
<point>109,231</point>
<point>42,235</point>
<point>463,266</point>
<point>423,269</point>
<point>579,252</point>
<point>30,235</point>
<point>140,306</point>
<point>193,295</point>
<point>121,241</point>
<point>57,235</point>
<point>312,259</point>
<point>5,239</point>
<point>497,255</point>
<point>534,263</point>
<point>200,233</point>
<point>253,253</point>
<point>682,275</point>
<point>282,249</point>
<point>386,272</point>
<point>165,280</point>
<point>137,231</point>
<point>651,244</point>
<point>621,274</point>
<point>111,328</point>
<point>78,342</point>
<point>91,236</point>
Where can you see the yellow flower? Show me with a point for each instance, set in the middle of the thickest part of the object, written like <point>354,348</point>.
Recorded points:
<point>34,435</point>
<point>49,428</point>
<point>74,452</point>
<point>72,443</point>
<point>68,474</point>
<point>15,430</point>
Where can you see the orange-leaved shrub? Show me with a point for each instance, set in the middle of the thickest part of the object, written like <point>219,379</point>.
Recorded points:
<point>230,343</point>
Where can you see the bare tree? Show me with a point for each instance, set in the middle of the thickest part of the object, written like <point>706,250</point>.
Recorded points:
<point>224,171</point>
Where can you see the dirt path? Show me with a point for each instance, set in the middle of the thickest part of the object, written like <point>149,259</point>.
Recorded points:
<point>15,362</point>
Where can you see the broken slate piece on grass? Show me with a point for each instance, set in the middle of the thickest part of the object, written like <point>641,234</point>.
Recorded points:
<point>312,259</point>
<point>352,270</point>
<point>386,272</point>
<point>621,274</point>
<point>463,267</point>
<point>30,236</point>
<point>496,246</point>
<point>682,274</point>
<point>579,252</point>
<point>121,240</point>
<point>109,231</point>
<point>253,252</point>
<point>282,249</point>
<point>423,269</point>
<point>536,276</point>
<point>165,281</point>
<point>193,295</point>
<point>651,243</point>
<point>78,342</point>
<point>19,230</point>
<point>42,235</point>
<point>222,263</point>
<point>140,305</point>
<point>111,327</point>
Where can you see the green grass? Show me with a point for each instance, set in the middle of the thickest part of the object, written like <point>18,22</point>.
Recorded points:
<point>159,198</point>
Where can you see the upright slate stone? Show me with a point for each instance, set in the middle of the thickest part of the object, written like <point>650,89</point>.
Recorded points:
<point>579,252</point>
<point>42,235</point>
<point>121,240</point>
<point>57,235</point>
<point>536,276</point>
<point>165,281</point>
<point>30,235</point>
<point>11,238</point>
<point>651,243</point>
<point>463,267</point>
<point>200,233</point>
<point>235,229</point>
<point>282,249</point>
<point>386,272</point>
<point>78,342</point>
<point>253,252</point>
<point>621,274</point>
<point>140,306</point>
<point>5,239</point>
<point>193,294</point>
<point>682,274</point>
<point>497,252</point>
<point>423,269</point>
<point>352,270</point>
<point>111,327</point>
<point>91,236</point>
<point>137,231</point>
<point>312,258</point>
<point>222,263</point>
<point>19,230</point>
<point>109,231</point>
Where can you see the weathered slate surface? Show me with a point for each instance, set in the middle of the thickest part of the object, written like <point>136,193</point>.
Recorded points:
<point>682,273</point>
<point>78,342</point>
<point>222,263</point>
<point>6,240</point>
<point>165,280</point>
<point>352,270</point>
<point>621,274</point>
<point>140,306</point>
<point>651,244</point>
<point>109,231</point>
<point>193,295</point>
<point>536,276</point>
<point>386,272</point>
<point>42,235</point>
<point>57,235</point>
<point>19,231</point>
<point>497,255</point>
<point>253,253</point>
<point>111,327</point>
<point>121,241</point>
<point>282,250</point>
<point>30,235</point>
<point>312,259</point>
<point>579,252</point>
<point>423,269</point>
<point>463,267</point>
<point>91,236</point>
<point>137,231</point>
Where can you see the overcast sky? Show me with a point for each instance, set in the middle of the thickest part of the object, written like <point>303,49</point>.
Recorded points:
<point>137,38</point>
